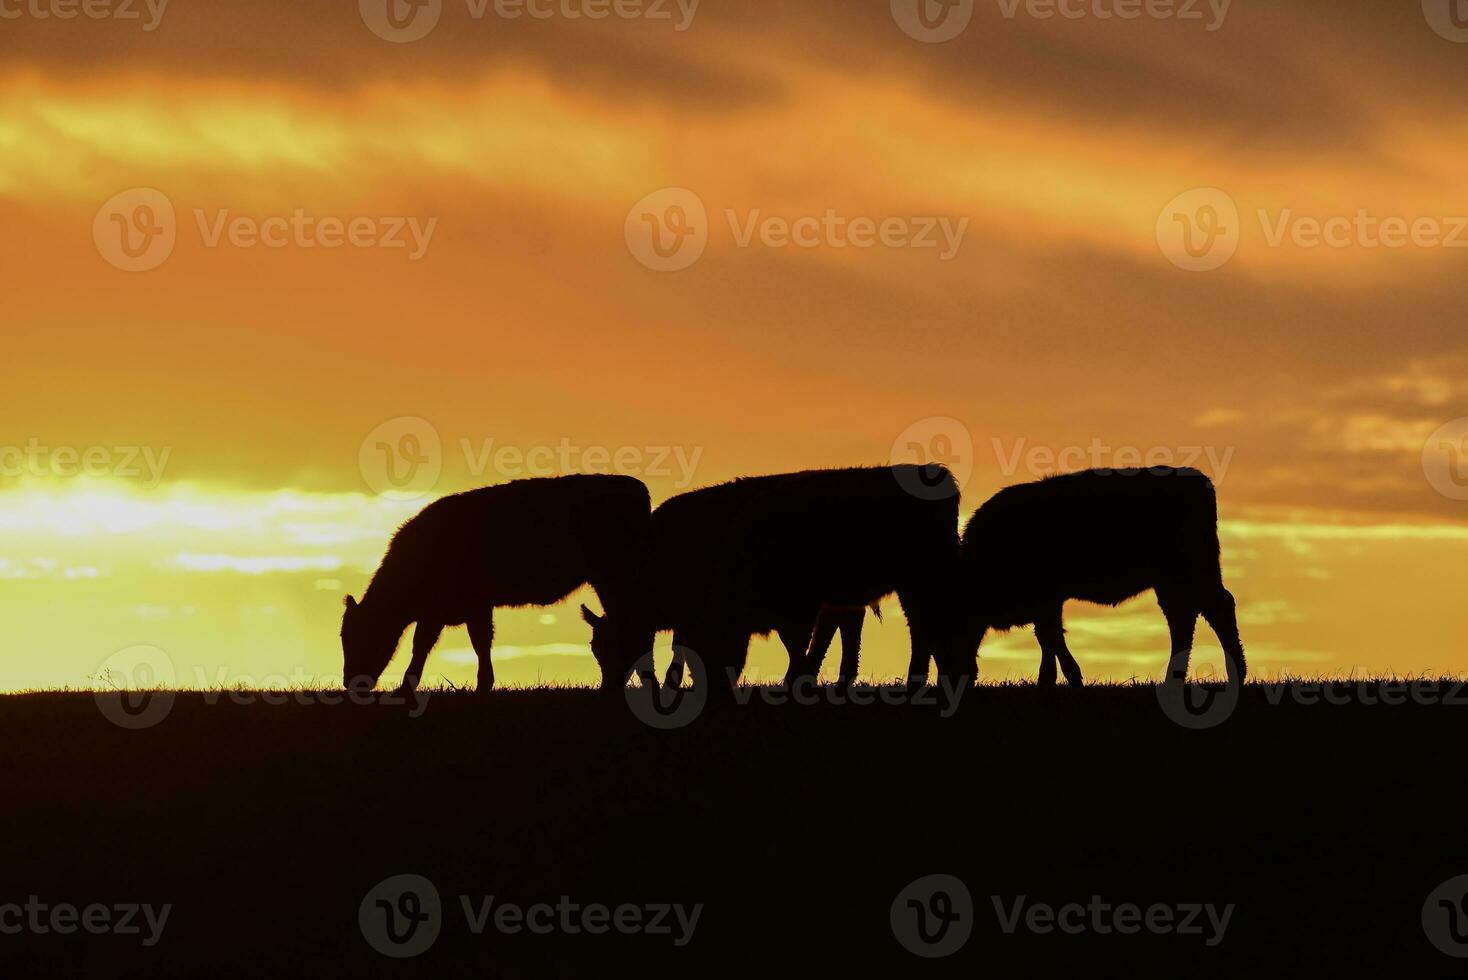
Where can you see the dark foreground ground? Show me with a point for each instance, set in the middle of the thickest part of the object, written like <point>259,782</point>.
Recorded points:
<point>796,827</point>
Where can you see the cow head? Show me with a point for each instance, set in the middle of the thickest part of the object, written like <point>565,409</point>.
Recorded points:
<point>618,641</point>
<point>368,643</point>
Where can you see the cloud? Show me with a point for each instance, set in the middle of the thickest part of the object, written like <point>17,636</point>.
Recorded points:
<point>256,564</point>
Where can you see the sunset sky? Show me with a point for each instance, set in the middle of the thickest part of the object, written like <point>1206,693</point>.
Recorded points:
<point>190,454</point>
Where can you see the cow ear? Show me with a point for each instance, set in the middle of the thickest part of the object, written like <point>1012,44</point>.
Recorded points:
<point>350,602</point>
<point>592,619</point>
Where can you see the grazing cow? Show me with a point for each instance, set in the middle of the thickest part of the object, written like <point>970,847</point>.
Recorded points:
<point>1103,536</point>
<point>766,554</point>
<point>806,648</point>
<point>524,543</point>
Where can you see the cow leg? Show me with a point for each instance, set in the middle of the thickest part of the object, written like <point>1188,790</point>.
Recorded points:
<point>723,651</point>
<point>425,635</point>
<point>1068,665</point>
<point>920,627</point>
<point>674,677</point>
<point>1047,674</point>
<point>937,635</point>
<point>796,638</point>
<point>735,652</point>
<point>481,637</point>
<point>918,662</point>
<point>1220,612</point>
<point>1182,619</point>
<point>820,643</point>
<point>973,639</point>
<point>851,624</point>
<point>1050,631</point>
<point>917,668</point>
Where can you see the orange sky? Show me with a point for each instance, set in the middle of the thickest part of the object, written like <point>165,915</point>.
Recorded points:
<point>1309,378</point>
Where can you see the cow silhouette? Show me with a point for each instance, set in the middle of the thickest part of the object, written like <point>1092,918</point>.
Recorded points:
<point>524,543</point>
<point>1103,536</point>
<point>806,647</point>
<point>766,554</point>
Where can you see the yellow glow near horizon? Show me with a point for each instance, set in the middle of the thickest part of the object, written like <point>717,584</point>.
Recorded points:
<point>248,584</point>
